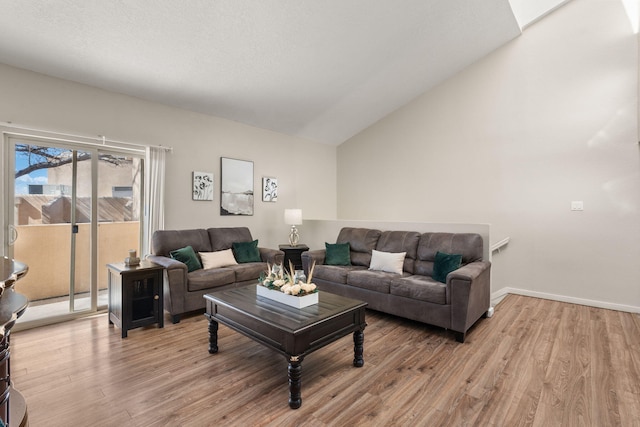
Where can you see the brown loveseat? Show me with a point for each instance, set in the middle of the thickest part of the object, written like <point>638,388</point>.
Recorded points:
<point>184,290</point>
<point>412,292</point>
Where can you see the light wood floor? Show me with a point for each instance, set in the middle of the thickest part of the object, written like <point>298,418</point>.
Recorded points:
<point>535,362</point>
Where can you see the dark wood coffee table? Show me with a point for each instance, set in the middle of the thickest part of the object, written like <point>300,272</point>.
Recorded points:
<point>293,332</point>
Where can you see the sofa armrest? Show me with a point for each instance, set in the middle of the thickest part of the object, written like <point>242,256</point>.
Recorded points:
<point>175,283</point>
<point>308,257</point>
<point>168,263</point>
<point>470,291</point>
<point>469,271</point>
<point>272,256</point>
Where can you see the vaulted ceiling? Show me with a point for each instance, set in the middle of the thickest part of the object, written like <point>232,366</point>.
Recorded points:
<point>319,69</point>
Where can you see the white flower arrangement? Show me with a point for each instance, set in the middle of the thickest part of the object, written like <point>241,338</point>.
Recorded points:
<point>278,279</point>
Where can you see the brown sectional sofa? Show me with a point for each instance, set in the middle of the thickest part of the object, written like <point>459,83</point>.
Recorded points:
<point>183,290</point>
<point>413,294</point>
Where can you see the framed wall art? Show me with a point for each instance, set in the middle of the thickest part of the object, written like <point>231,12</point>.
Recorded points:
<point>236,183</point>
<point>269,189</point>
<point>202,186</point>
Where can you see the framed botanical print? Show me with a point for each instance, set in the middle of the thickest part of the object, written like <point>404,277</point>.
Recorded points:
<point>202,186</point>
<point>269,189</point>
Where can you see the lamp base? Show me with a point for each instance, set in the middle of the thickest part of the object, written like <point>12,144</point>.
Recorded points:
<point>293,236</point>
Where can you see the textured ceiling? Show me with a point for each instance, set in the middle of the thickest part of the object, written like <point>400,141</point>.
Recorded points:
<point>319,69</point>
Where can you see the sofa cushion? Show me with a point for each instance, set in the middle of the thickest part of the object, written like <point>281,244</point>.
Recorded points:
<point>246,251</point>
<point>249,271</point>
<point>224,237</point>
<point>361,242</point>
<point>421,288</point>
<point>332,273</point>
<point>337,254</point>
<point>207,279</point>
<point>400,241</point>
<point>387,261</point>
<point>217,259</point>
<point>165,241</point>
<point>469,245</point>
<point>187,256</point>
<point>378,281</point>
<point>444,264</point>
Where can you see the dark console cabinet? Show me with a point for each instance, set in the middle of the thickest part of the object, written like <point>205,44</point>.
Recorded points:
<point>135,295</point>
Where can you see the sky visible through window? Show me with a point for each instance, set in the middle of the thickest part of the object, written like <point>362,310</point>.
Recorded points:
<point>38,177</point>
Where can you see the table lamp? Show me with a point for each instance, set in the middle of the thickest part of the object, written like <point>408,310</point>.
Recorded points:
<point>293,217</point>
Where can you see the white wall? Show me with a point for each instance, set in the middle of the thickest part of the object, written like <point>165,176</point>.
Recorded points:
<point>511,141</point>
<point>306,171</point>
<point>547,119</point>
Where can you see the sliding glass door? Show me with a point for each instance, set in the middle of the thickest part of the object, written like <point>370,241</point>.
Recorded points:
<point>76,208</point>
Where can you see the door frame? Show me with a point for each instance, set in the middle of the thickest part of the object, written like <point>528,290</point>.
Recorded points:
<point>72,142</point>
<point>12,140</point>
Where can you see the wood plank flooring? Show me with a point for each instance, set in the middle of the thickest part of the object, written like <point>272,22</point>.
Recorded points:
<point>535,362</point>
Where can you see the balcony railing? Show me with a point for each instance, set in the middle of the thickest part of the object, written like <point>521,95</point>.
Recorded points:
<point>46,249</point>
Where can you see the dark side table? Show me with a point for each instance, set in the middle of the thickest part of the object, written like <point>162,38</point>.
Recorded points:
<point>135,295</point>
<point>293,254</point>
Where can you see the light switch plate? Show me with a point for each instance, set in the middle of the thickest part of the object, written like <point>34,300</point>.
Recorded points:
<point>577,205</point>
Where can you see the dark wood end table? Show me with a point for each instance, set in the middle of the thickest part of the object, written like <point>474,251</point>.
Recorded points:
<point>292,332</point>
<point>135,295</point>
<point>293,254</point>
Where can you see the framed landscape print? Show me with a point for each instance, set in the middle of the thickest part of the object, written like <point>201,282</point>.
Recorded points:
<point>202,186</point>
<point>236,183</point>
<point>269,189</point>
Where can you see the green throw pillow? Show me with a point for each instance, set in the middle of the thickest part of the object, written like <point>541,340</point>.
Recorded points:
<point>188,256</point>
<point>337,254</point>
<point>246,251</point>
<point>444,264</point>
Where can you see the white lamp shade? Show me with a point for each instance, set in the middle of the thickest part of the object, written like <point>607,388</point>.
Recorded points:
<point>293,216</point>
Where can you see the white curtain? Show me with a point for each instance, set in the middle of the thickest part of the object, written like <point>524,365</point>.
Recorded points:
<point>153,195</point>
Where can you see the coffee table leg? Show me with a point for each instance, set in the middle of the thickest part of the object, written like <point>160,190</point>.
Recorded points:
<point>295,382</point>
<point>213,336</point>
<point>358,349</point>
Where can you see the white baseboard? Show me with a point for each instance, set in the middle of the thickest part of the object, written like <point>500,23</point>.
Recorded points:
<point>497,296</point>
